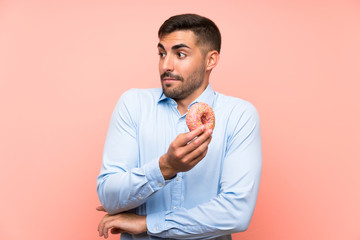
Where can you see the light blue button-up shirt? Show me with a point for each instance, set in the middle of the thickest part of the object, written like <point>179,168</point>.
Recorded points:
<point>214,199</point>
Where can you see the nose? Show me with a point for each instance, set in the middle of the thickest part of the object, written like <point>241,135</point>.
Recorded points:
<point>167,64</point>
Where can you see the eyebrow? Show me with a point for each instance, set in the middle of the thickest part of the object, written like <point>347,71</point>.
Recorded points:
<point>175,47</point>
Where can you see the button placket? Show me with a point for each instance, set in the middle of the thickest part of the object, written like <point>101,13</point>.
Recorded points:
<point>176,190</point>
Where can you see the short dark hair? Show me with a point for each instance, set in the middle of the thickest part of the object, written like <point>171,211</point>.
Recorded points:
<point>205,30</point>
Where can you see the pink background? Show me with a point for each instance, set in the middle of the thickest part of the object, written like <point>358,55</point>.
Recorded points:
<point>64,64</point>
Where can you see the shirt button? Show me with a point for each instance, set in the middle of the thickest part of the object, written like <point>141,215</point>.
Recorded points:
<point>139,198</point>
<point>177,178</point>
<point>174,207</point>
<point>160,184</point>
<point>156,228</point>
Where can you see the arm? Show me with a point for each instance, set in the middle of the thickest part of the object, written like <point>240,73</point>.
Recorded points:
<point>182,155</point>
<point>121,184</point>
<point>232,209</point>
<point>122,222</point>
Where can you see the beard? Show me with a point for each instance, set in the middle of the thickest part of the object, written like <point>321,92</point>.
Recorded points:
<point>186,86</point>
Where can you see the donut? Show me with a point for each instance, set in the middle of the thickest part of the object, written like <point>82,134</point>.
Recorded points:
<point>200,114</point>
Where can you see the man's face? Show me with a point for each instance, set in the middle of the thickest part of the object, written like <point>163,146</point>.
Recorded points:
<point>181,65</point>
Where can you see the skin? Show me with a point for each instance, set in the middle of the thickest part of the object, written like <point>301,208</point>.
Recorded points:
<point>184,69</point>
<point>119,223</point>
<point>182,58</point>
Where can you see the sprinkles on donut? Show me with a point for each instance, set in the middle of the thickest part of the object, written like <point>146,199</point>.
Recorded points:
<point>200,114</point>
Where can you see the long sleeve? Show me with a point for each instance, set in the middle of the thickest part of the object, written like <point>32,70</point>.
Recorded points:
<point>231,210</point>
<point>122,184</point>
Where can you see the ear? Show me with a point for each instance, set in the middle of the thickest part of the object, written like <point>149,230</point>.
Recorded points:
<point>212,58</point>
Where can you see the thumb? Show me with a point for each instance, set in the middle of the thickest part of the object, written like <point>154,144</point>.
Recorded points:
<point>101,208</point>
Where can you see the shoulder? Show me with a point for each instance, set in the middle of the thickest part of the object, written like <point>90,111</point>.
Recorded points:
<point>239,117</point>
<point>234,106</point>
<point>130,106</point>
<point>136,95</point>
<point>134,100</point>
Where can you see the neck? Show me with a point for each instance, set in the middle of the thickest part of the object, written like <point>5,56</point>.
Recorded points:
<point>183,104</point>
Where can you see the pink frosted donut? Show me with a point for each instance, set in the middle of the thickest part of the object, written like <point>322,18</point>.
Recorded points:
<point>200,114</point>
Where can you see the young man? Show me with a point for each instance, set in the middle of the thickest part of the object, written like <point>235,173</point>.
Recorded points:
<point>158,180</point>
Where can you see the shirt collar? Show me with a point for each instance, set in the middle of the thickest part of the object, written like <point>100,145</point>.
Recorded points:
<point>207,96</point>
<point>162,97</point>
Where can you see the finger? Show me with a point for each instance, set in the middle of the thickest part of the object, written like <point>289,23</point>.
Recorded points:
<point>105,231</point>
<point>100,208</point>
<point>102,223</point>
<point>198,153</point>
<point>203,138</point>
<point>100,227</point>
<point>197,159</point>
<point>183,139</point>
<point>107,226</point>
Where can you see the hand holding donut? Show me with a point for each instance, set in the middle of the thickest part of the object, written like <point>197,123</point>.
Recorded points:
<point>186,151</point>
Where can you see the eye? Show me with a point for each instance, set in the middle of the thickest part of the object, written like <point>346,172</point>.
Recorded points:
<point>162,54</point>
<point>181,55</point>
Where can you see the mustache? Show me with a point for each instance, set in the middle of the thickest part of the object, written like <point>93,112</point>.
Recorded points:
<point>169,74</point>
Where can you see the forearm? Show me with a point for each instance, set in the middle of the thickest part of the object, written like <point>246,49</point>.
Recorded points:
<point>223,215</point>
<point>122,223</point>
<point>128,188</point>
<point>123,183</point>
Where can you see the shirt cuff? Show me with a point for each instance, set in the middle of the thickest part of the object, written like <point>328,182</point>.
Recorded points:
<point>153,174</point>
<point>155,223</point>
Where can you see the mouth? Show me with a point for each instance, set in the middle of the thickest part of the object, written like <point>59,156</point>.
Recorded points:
<point>168,77</point>
<point>167,80</point>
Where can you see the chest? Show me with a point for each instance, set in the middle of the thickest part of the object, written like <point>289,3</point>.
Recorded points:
<point>159,127</point>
